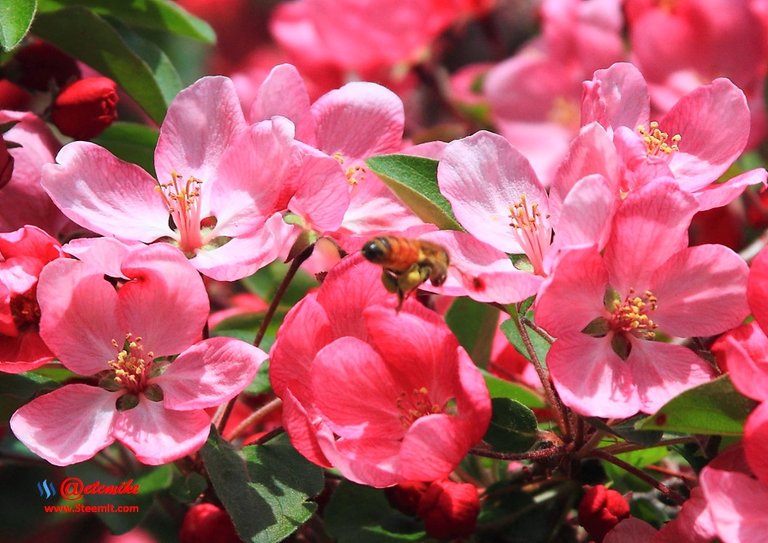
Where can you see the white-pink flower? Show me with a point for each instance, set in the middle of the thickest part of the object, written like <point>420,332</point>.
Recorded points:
<point>221,187</point>
<point>123,333</point>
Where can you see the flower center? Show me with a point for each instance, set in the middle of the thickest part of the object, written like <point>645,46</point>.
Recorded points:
<point>656,141</point>
<point>565,112</point>
<point>632,315</point>
<point>532,231</point>
<point>131,365</point>
<point>415,405</point>
<point>25,310</point>
<point>355,173</point>
<point>182,199</point>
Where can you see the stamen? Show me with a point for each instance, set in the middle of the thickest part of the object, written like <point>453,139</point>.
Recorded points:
<point>182,199</point>
<point>415,406</point>
<point>532,231</point>
<point>631,316</point>
<point>355,174</point>
<point>131,365</point>
<point>656,141</point>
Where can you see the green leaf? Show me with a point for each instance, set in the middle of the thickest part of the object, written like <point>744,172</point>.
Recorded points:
<point>474,325</point>
<point>499,388</point>
<point>132,142</point>
<point>626,430</point>
<point>25,385</point>
<point>265,489</point>
<point>414,180</point>
<point>15,19</point>
<point>105,51</point>
<point>152,14</point>
<point>712,408</point>
<point>540,345</point>
<point>513,426</point>
<point>644,457</point>
<point>359,513</point>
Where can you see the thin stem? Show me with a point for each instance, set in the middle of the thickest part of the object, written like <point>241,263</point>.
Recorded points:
<point>254,417</point>
<point>292,269</point>
<point>549,390</point>
<point>629,447</point>
<point>538,454</point>
<point>593,442</point>
<point>672,473</point>
<point>539,330</point>
<point>640,474</point>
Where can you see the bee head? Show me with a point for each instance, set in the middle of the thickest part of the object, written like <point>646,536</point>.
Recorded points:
<point>376,250</point>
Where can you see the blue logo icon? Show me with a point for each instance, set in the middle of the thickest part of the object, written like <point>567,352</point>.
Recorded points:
<point>47,490</point>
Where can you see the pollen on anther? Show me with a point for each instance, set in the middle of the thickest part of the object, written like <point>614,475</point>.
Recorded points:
<point>657,142</point>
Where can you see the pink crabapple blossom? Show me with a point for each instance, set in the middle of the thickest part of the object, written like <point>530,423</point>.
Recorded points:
<point>695,142</point>
<point>605,361</point>
<point>23,255</point>
<point>223,183</point>
<point>123,332</point>
<point>384,397</point>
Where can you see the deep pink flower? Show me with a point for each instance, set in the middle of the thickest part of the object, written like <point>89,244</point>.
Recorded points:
<point>23,254</point>
<point>123,338</point>
<point>222,184</point>
<point>605,362</point>
<point>695,142</point>
<point>384,397</point>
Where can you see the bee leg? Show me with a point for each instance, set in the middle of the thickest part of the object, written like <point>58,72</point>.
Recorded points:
<point>390,282</point>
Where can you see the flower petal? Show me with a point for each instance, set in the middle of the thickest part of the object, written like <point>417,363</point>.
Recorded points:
<point>209,373</point>
<point>283,93</point>
<point>756,441</point>
<point>157,435</point>
<point>68,425</point>
<point>757,288</point>
<point>107,195</point>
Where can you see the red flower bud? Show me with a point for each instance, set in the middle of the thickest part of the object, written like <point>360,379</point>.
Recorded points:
<point>13,97</point>
<point>600,510</point>
<point>405,497</point>
<point>41,62</point>
<point>205,522</point>
<point>86,107</point>
<point>6,164</point>
<point>449,510</point>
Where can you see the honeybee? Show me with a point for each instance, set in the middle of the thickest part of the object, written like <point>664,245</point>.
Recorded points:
<point>407,263</point>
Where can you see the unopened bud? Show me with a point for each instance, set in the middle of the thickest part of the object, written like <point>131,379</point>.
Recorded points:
<point>86,107</point>
<point>600,510</point>
<point>206,522</point>
<point>42,64</point>
<point>449,510</point>
<point>13,96</point>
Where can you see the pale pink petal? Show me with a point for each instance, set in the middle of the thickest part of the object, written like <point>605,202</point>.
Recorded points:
<point>157,435</point>
<point>701,291</point>
<point>661,371</point>
<point>345,371</point>
<point>374,209</point>
<point>631,530</point>
<point>575,227</point>
<point>209,373</point>
<point>359,120</point>
<point>590,378</point>
<point>105,194</point>
<point>737,504</point>
<point>713,122</point>
<point>283,93</point>
<point>591,152</point>
<point>163,286</point>
<point>756,442</point>
<point>721,194</point>
<point>662,213</point>
<point>432,447</point>
<point>578,280</point>
<point>483,176</point>
<point>372,462</point>
<point>24,352</point>
<point>480,271</point>
<point>68,425</point>
<point>257,176</point>
<point>244,255</point>
<point>616,96</point>
<point>757,288</point>
<point>104,254</point>
<point>746,351</point>
<point>322,195</point>
<point>200,125</point>
<point>79,315</point>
